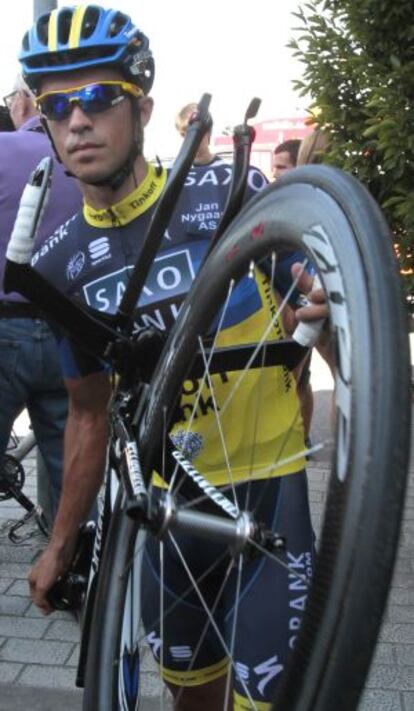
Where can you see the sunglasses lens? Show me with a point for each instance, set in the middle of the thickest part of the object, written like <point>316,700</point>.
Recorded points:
<point>92,99</point>
<point>98,97</point>
<point>55,106</point>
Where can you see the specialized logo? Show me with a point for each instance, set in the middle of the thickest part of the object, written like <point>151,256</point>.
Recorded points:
<point>181,652</point>
<point>99,250</point>
<point>75,265</point>
<point>268,670</point>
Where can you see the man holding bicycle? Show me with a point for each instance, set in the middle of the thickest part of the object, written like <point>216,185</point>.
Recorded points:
<point>91,70</point>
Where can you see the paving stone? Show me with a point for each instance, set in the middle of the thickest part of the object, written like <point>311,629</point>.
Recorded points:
<point>404,654</point>
<point>33,611</point>
<point>53,677</point>
<point>44,652</point>
<point>5,584</point>
<point>20,698</point>
<point>18,554</point>
<point>13,605</point>
<point>9,672</point>
<point>403,565</point>
<point>384,654</point>
<point>400,613</point>
<point>401,596</point>
<point>408,701</point>
<point>19,587</point>
<point>63,629</point>
<point>397,633</point>
<point>373,700</point>
<point>14,570</point>
<point>391,677</point>
<point>22,627</point>
<point>74,657</point>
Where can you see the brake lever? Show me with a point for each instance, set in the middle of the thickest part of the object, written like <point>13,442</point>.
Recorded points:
<point>243,137</point>
<point>29,215</point>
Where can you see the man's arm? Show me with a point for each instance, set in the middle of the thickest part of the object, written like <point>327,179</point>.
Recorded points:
<point>84,463</point>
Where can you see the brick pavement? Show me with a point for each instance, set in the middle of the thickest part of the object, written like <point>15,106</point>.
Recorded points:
<point>38,655</point>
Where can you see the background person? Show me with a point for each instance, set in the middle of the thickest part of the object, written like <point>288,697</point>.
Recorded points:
<point>6,124</point>
<point>284,157</point>
<point>313,147</point>
<point>30,374</point>
<point>204,156</point>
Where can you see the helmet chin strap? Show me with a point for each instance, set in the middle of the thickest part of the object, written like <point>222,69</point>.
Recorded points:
<point>117,177</point>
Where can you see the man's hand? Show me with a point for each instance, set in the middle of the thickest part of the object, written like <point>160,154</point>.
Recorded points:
<point>317,307</point>
<point>52,563</point>
<point>85,456</point>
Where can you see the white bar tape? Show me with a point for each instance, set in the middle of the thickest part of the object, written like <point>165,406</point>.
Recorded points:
<point>307,332</point>
<point>20,247</point>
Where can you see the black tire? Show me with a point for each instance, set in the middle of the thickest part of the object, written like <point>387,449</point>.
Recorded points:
<point>355,561</point>
<point>362,518</point>
<point>102,681</point>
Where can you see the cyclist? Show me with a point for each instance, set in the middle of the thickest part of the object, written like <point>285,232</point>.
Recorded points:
<point>91,70</point>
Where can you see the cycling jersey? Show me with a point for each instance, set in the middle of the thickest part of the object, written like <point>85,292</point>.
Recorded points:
<point>92,256</point>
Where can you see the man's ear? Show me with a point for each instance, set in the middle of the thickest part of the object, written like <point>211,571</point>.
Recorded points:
<point>146,105</point>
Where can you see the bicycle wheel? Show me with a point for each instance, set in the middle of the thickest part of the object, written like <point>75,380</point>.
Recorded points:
<point>332,219</point>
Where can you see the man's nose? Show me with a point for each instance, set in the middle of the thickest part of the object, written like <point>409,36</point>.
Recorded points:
<point>78,119</point>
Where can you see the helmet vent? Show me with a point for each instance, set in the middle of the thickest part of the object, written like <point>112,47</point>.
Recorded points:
<point>118,23</point>
<point>90,21</point>
<point>43,29</point>
<point>25,42</point>
<point>64,25</point>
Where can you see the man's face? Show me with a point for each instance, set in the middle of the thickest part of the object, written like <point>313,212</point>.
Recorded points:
<point>92,146</point>
<point>281,163</point>
<point>15,104</point>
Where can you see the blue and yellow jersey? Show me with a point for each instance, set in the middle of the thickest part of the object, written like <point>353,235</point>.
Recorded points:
<point>91,258</point>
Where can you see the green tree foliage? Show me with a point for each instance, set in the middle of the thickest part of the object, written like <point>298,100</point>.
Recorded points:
<point>358,58</point>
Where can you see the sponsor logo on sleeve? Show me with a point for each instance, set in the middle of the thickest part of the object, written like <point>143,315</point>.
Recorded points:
<point>75,265</point>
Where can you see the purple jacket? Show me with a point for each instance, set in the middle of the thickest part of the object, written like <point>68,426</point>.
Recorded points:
<point>20,152</point>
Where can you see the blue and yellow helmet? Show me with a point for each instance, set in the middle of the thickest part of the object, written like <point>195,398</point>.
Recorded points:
<point>71,38</point>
